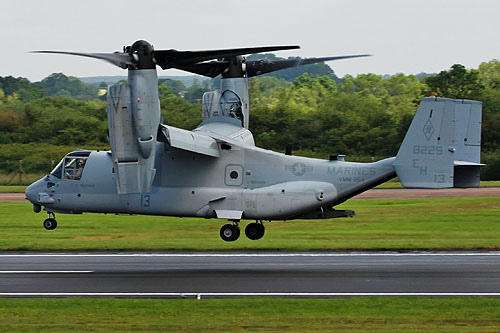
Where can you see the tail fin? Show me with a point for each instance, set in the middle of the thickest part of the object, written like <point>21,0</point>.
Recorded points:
<point>442,146</point>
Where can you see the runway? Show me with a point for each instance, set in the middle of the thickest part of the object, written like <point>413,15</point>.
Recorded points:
<point>249,274</point>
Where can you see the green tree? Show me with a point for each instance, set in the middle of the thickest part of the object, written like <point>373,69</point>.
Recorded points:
<point>290,74</point>
<point>175,86</point>
<point>195,92</point>
<point>177,111</point>
<point>58,84</point>
<point>458,82</point>
<point>25,90</point>
<point>490,73</point>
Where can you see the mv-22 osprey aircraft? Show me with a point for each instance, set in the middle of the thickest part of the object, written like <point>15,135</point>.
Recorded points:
<point>216,171</point>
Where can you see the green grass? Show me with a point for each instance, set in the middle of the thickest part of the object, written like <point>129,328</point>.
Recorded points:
<point>389,224</point>
<point>395,184</point>
<point>7,181</point>
<point>12,188</point>
<point>490,183</point>
<point>244,315</point>
<point>390,185</point>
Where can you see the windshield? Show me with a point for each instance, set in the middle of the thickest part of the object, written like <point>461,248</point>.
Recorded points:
<point>57,172</point>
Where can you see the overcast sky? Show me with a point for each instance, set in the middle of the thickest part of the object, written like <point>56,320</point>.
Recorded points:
<point>404,36</point>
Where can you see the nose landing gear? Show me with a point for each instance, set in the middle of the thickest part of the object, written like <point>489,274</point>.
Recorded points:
<point>50,223</point>
<point>230,232</point>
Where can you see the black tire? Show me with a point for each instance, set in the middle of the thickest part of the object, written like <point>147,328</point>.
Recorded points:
<point>254,231</point>
<point>50,224</point>
<point>229,232</point>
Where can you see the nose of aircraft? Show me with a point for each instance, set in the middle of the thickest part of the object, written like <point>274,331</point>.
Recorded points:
<point>31,194</point>
<point>33,190</point>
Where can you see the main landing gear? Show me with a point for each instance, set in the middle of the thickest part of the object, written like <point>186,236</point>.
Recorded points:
<point>255,230</point>
<point>231,232</point>
<point>50,223</point>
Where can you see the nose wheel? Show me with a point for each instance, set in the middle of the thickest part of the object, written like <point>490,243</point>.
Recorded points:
<point>230,232</point>
<point>50,223</point>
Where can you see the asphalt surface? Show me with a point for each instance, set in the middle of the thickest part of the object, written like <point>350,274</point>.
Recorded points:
<point>329,274</point>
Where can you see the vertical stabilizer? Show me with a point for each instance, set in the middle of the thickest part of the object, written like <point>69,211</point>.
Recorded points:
<point>442,146</point>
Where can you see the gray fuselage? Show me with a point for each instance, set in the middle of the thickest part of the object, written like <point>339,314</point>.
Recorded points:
<point>245,180</point>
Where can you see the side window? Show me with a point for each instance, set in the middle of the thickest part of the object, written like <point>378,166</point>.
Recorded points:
<point>73,168</point>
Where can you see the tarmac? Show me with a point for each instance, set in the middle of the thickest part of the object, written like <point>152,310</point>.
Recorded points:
<point>195,274</point>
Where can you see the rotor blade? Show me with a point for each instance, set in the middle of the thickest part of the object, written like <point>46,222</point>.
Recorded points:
<point>210,69</point>
<point>263,66</point>
<point>173,58</point>
<point>117,59</point>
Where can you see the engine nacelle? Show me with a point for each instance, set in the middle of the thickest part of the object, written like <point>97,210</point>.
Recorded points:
<point>133,120</point>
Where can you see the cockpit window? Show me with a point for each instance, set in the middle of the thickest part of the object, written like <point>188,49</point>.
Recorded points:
<point>73,167</point>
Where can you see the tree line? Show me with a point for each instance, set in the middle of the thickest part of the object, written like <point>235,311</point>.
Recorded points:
<point>364,117</point>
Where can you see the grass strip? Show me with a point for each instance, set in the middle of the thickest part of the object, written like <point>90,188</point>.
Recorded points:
<point>392,314</point>
<point>7,180</point>
<point>395,184</point>
<point>12,188</point>
<point>380,224</point>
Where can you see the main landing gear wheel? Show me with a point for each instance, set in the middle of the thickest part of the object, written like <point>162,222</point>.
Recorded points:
<point>50,223</point>
<point>229,232</point>
<point>255,230</point>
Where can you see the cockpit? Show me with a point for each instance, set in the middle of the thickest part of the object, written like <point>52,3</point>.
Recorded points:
<point>228,104</point>
<point>71,166</point>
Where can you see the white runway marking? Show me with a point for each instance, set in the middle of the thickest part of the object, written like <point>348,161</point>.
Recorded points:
<point>201,295</point>
<point>355,254</point>
<point>44,272</point>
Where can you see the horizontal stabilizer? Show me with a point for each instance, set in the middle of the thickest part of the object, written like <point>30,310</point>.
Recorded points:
<point>467,163</point>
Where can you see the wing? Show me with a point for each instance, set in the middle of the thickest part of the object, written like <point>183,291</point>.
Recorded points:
<point>209,138</point>
<point>188,140</point>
